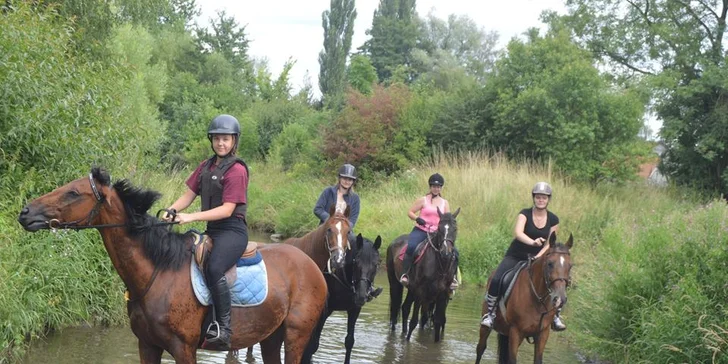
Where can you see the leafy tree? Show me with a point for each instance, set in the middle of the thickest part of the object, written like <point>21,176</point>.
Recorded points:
<point>452,44</point>
<point>678,47</point>
<point>393,36</point>
<point>338,26</point>
<point>361,74</point>
<point>547,100</point>
<point>227,38</point>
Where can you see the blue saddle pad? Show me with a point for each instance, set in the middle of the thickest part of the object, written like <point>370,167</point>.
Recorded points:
<point>250,287</point>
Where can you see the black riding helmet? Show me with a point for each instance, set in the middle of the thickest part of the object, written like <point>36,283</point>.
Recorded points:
<point>436,180</point>
<point>224,124</point>
<point>348,171</point>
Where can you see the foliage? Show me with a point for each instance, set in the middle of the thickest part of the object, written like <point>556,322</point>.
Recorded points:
<point>361,74</point>
<point>338,23</point>
<point>393,36</point>
<point>678,48</point>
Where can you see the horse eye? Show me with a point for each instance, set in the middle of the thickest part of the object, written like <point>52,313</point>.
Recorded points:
<point>73,194</point>
<point>551,264</point>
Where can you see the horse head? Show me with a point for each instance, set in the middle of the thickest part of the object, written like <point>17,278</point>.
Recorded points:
<point>447,231</point>
<point>557,269</point>
<point>74,205</point>
<point>337,237</point>
<point>365,264</point>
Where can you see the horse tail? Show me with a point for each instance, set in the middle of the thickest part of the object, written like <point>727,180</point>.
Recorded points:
<point>503,350</point>
<point>395,288</point>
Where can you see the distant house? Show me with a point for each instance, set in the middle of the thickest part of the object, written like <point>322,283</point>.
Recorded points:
<point>649,170</point>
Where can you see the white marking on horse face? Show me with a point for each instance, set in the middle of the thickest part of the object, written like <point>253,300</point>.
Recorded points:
<point>339,240</point>
<point>562,260</point>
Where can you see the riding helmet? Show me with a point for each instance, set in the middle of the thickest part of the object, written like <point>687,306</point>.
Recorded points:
<point>541,188</point>
<point>436,180</point>
<point>348,171</point>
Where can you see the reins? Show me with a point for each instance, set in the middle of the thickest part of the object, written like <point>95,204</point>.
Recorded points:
<point>547,284</point>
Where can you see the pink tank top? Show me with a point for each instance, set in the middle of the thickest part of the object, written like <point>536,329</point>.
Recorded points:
<point>429,214</point>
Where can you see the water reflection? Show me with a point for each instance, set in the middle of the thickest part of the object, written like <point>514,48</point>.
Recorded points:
<point>374,342</point>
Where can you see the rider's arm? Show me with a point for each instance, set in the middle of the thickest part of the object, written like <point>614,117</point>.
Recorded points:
<point>447,207</point>
<point>547,244</point>
<point>184,201</point>
<point>354,211</point>
<point>218,213</point>
<point>416,207</point>
<point>519,231</point>
<point>320,209</point>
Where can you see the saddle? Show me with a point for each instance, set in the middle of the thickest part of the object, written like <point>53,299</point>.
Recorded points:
<point>419,251</point>
<point>202,247</point>
<point>507,283</point>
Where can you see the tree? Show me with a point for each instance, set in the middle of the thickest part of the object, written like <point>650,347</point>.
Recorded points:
<point>227,38</point>
<point>338,26</point>
<point>393,36</point>
<point>677,47</point>
<point>361,74</point>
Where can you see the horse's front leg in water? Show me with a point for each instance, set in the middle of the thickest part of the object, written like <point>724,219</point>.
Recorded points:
<point>540,345</point>
<point>406,307</point>
<point>351,317</point>
<point>514,342</point>
<point>413,321</point>
<point>149,354</point>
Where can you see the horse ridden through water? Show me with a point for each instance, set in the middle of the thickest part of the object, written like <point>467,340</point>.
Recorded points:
<point>538,292</point>
<point>155,265</point>
<point>430,278</point>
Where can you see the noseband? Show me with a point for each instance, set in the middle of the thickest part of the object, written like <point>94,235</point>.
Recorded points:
<point>547,282</point>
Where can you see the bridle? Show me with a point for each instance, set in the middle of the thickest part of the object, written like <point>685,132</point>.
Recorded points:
<point>547,282</point>
<point>327,244</point>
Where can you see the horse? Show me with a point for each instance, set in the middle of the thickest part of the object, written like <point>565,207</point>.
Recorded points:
<point>154,264</point>
<point>430,278</point>
<point>327,244</point>
<point>349,289</point>
<point>538,292</point>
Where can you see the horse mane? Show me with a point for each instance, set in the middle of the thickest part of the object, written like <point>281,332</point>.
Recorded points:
<point>166,249</point>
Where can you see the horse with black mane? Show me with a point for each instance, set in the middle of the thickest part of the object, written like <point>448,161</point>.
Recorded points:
<point>349,289</point>
<point>538,292</point>
<point>430,278</point>
<point>155,265</point>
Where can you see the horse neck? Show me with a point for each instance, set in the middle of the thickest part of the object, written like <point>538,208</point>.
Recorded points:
<point>126,253</point>
<point>433,262</point>
<point>537,278</point>
<point>314,245</point>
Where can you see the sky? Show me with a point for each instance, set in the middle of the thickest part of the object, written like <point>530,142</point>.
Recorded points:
<point>283,29</point>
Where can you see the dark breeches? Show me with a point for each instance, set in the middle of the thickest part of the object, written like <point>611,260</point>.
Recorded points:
<point>230,238</point>
<point>415,237</point>
<point>507,263</point>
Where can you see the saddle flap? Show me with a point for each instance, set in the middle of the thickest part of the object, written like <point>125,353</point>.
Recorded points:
<point>201,247</point>
<point>419,251</point>
<point>509,280</point>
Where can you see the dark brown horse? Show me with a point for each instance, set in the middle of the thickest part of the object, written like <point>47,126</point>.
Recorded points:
<point>430,278</point>
<point>154,264</point>
<point>538,292</point>
<point>327,245</point>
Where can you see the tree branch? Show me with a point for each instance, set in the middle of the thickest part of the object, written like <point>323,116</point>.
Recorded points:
<point>696,17</point>
<point>624,62</point>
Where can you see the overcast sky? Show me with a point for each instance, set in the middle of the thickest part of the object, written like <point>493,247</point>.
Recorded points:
<point>283,29</point>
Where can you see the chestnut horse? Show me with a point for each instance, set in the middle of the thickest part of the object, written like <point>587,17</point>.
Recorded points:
<point>430,278</point>
<point>327,245</point>
<point>154,264</point>
<point>538,292</point>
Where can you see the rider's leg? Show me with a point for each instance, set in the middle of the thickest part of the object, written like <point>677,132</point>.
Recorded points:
<point>228,246</point>
<point>494,290</point>
<point>415,237</point>
<point>558,325</point>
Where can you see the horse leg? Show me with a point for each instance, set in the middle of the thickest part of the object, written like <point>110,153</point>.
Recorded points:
<point>351,317</point>
<point>413,321</point>
<point>482,343</point>
<point>270,348</point>
<point>313,344</point>
<point>439,316</point>
<point>406,307</point>
<point>504,354</point>
<point>515,339</point>
<point>249,354</point>
<point>149,354</point>
<point>395,298</point>
<point>540,345</point>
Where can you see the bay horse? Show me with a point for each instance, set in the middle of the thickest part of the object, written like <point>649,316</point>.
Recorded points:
<point>539,291</point>
<point>154,264</point>
<point>327,244</point>
<point>430,278</point>
<point>349,290</point>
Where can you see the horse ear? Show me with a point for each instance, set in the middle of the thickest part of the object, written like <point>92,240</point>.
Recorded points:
<point>570,242</point>
<point>455,215</point>
<point>347,211</point>
<point>377,242</point>
<point>439,213</point>
<point>332,210</point>
<point>359,242</point>
<point>552,239</point>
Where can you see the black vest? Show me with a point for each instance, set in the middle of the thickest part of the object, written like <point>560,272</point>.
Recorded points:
<point>211,184</point>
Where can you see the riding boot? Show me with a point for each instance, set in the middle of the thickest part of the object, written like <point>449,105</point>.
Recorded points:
<point>220,337</point>
<point>489,317</point>
<point>406,265</point>
<point>558,325</point>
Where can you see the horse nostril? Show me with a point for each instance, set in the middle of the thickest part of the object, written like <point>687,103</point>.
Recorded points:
<point>24,211</point>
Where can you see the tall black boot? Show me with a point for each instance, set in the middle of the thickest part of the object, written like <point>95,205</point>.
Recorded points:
<point>406,265</point>
<point>219,335</point>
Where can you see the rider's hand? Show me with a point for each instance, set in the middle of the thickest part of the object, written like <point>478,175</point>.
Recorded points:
<point>420,221</point>
<point>184,218</point>
<point>166,216</point>
<point>538,241</point>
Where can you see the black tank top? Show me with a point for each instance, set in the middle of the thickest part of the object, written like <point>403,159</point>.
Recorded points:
<point>521,250</point>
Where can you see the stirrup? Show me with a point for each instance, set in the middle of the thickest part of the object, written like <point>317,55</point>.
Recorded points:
<point>216,325</point>
<point>404,280</point>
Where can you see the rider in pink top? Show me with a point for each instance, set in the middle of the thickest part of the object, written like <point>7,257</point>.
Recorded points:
<point>427,221</point>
